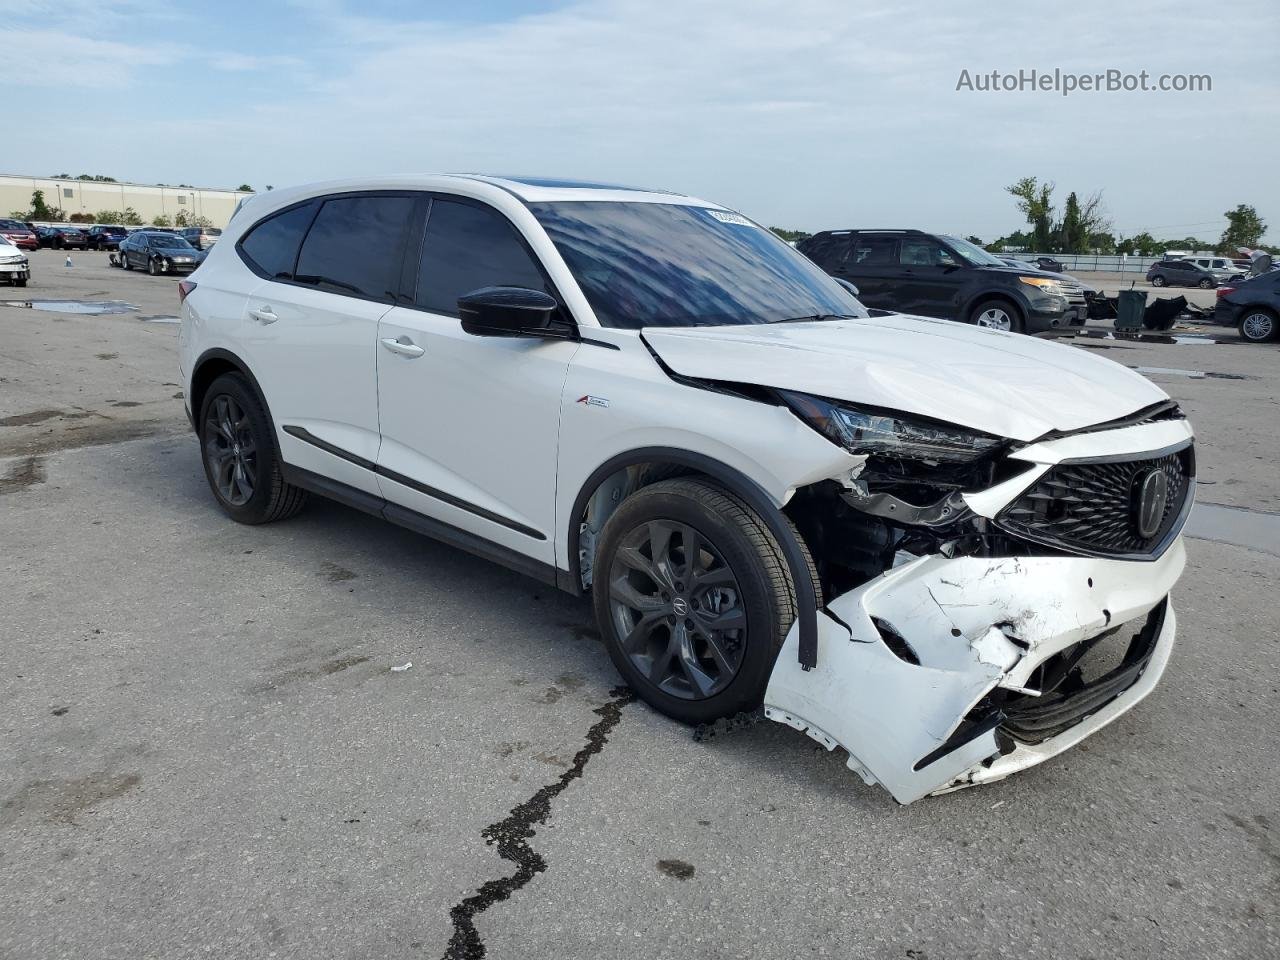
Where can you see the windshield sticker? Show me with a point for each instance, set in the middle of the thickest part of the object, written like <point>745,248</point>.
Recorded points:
<point>724,216</point>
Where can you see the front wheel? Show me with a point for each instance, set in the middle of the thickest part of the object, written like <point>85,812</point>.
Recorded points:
<point>694,599</point>
<point>1259,326</point>
<point>1157,281</point>
<point>996,315</point>
<point>1206,284</point>
<point>241,461</point>
<point>124,262</point>
<point>153,268</point>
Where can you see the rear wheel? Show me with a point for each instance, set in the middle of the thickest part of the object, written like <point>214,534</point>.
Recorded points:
<point>1259,326</point>
<point>1206,284</point>
<point>241,461</point>
<point>997,315</point>
<point>694,599</point>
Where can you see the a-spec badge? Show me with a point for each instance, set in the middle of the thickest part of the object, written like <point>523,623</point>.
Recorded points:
<point>591,401</point>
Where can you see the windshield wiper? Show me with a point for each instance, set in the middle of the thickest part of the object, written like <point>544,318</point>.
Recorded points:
<point>815,317</point>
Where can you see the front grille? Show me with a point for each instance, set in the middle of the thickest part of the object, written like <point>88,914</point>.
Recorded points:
<point>1091,508</point>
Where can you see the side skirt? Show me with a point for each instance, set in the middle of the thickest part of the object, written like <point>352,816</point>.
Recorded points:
<point>420,523</point>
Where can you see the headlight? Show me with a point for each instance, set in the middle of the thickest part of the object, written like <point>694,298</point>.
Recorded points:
<point>889,434</point>
<point>1047,284</point>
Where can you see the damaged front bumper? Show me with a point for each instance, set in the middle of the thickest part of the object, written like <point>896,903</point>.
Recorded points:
<point>946,672</point>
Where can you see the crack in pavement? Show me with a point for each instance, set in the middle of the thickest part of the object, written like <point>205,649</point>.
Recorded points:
<point>512,834</point>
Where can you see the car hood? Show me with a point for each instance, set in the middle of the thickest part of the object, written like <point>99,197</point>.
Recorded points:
<point>1005,384</point>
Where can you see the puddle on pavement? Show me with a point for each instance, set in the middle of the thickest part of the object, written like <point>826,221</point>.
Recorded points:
<point>90,307</point>
<point>1235,525</point>
<point>1193,374</point>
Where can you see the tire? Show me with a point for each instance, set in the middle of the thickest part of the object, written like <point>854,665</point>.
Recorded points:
<point>20,283</point>
<point>125,264</point>
<point>152,268</point>
<point>1205,284</point>
<point>1259,326</point>
<point>1157,281</point>
<point>232,418</point>
<point>742,583</point>
<point>997,315</point>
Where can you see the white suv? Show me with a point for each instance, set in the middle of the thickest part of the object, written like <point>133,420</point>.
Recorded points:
<point>948,550</point>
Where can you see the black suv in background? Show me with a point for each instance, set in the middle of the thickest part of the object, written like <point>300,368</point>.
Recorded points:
<point>934,275</point>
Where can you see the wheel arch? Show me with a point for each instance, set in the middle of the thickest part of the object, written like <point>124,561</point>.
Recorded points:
<point>687,462</point>
<point>1010,297</point>
<point>212,364</point>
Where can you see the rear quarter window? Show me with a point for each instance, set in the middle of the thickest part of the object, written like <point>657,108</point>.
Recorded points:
<point>271,247</point>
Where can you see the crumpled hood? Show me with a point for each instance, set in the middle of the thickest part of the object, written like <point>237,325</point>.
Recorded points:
<point>1005,384</point>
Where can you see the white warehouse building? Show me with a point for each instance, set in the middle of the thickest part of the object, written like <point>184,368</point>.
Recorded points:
<point>91,196</point>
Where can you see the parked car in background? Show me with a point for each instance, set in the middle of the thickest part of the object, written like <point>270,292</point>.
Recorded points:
<point>1222,268</point>
<point>934,275</point>
<point>18,234</point>
<point>202,238</point>
<point>105,237</point>
<point>67,238</point>
<point>948,551</point>
<point>1252,306</point>
<point>1049,264</point>
<point>1180,273</point>
<point>15,267</point>
<point>158,252</point>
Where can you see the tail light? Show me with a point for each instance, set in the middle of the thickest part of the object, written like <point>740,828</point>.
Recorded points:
<point>184,289</point>
<point>1223,291</point>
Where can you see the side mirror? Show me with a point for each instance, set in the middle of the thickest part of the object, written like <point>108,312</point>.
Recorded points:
<point>506,312</point>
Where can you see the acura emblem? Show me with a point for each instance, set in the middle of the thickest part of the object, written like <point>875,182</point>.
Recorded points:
<point>1149,499</point>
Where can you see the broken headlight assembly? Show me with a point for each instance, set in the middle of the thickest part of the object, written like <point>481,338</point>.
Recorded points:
<point>891,435</point>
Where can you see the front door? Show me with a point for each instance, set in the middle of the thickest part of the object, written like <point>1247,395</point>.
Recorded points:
<point>470,425</point>
<point>929,279</point>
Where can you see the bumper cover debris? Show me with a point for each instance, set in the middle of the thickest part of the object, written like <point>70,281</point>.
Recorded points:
<point>946,672</point>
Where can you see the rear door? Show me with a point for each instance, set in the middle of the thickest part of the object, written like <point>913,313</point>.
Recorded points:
<point>330,269</point>
<point>470,425</point>
<point>871,265</point>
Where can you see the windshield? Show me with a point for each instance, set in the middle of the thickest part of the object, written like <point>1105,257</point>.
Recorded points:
<point>167,241</point>
<point>671,265</point>
<point>974,254</point>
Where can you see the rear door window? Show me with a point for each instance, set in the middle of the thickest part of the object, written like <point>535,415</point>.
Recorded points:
<point>356,246</point>
<point>271,247</point>
<point>872,251</point>
<point>467,247</point>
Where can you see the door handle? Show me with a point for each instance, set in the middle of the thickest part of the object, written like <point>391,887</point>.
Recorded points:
<point>403,346</point>
<point>264,314</point>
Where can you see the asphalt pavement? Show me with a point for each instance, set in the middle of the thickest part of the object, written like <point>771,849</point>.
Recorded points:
<point>205,749</point>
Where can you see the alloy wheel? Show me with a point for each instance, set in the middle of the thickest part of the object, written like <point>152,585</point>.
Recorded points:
<point>230,451</point>
<point>995,319</point>
<point>1258,326</point>
<point>677,609</point>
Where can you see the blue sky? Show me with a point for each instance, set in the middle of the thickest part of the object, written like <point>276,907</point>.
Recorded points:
<point>803,113</point>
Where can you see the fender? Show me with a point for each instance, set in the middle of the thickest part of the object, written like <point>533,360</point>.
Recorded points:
<point>737,484</point>
<point>218,353</point>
